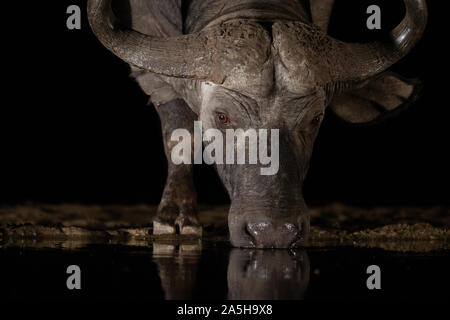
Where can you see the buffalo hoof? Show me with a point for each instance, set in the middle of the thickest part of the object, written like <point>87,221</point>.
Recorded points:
<point>189,226</point>
<point>160,228</point>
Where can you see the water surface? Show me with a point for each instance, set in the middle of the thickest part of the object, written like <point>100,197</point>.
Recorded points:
<point>217,272</point>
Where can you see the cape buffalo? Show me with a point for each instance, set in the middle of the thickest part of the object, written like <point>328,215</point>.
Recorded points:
<point>261,64</point>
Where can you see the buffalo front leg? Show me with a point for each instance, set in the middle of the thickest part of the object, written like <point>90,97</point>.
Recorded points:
<point>178,205</point>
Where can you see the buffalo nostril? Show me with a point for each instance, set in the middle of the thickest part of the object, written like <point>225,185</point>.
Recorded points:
<point>258,233</point>
<point>293,234</point>
<point>270,235</point>
<point>257,230</point>
<point>291,228</point>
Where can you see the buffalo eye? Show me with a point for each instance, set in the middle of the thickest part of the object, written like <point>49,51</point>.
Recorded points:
<point>223,118</point>
<point>317,119</point>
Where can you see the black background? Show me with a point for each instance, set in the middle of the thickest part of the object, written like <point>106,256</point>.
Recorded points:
<point>75,128</point>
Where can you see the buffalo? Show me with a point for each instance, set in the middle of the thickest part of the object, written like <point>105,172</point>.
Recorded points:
<point>266,64</point>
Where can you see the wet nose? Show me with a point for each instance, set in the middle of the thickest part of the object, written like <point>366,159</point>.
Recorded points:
<point>271,235</point>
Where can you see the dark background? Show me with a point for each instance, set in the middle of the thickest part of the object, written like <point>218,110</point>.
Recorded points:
<point>75,128</point>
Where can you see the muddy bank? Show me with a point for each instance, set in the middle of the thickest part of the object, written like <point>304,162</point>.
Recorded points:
<point>72,226</point>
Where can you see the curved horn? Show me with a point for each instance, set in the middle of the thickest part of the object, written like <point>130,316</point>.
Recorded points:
<point>184,56</point>
<point>357,62</point>
<point>211,54</point>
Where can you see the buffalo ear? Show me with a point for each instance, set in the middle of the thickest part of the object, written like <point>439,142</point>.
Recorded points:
<point>381,97</point>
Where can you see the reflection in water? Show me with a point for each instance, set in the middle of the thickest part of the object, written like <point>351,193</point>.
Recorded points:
<point>252,274</point>
<point>266,275</point>
<point>177,269</point>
